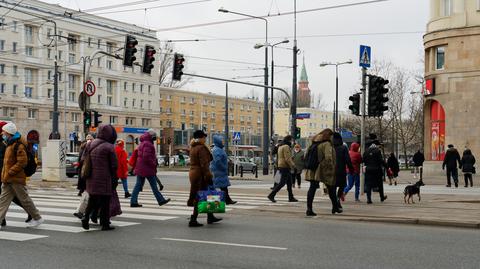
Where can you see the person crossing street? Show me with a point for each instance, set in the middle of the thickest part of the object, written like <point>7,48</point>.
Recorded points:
<point>285,165</point>
<point>219,168</point>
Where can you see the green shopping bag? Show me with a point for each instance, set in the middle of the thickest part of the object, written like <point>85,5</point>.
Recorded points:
<point>211,201</point>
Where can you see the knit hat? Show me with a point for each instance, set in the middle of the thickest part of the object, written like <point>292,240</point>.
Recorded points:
<point>10,128</point>
<point>152,132</point>
<point>2,123</point>
<point>199,134</point>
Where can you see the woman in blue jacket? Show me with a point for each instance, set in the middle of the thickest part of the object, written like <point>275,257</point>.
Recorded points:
<point>219,168</point>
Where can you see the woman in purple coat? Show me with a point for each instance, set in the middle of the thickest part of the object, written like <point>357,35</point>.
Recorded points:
<point>103,162</point>
<point>146,167</point>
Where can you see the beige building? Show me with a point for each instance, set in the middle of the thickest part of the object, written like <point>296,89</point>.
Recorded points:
<point>182,112</point>
<point>125,96</point>
<point>318,121</point>
<point>452,73</point>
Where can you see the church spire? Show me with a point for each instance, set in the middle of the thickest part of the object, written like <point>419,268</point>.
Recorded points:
<point>303,75</point>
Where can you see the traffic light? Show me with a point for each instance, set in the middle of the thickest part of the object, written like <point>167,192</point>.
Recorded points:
<point>298,132</point>
<point>96,118</point>
<point>87,118</point>
<point>148,59</point>
<point>178,66</point>
<point>355,106</point>
<point>129,50</point>
<point>376,96</point>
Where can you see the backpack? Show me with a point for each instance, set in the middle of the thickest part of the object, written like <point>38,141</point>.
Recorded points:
<point>31,167</point>
<point>311,158</point>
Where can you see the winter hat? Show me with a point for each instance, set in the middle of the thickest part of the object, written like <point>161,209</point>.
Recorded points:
<point>10,128</point>
<point>2,123</point>
<point>450,146</point>
<point>199,134</point>
<point>152,132</point>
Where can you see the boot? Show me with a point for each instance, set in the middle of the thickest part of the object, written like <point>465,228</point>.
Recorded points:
<point>212,219</point>
<point>4,223</point>
<point>193,222</point>
<point>107,228</point>
<point>127,195</point>
<point>29,218</point>
<point>310,213</point>
<point>85,224</point>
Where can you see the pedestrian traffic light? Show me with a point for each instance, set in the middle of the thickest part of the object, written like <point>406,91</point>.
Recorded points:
<point>129,50</point>
<point>355,106</point>
<point>148,59</point>
<point>96,118</point>
<point>376,96</point>
<point>87,118</point>
<point>178,66</point>
<point>298,133</point>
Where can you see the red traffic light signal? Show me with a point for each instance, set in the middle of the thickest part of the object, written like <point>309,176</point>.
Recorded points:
<point>129,50</point>
<point>178,66</point>
<point>148,59</point>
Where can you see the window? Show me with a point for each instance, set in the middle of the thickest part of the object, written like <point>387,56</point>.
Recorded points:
<point>99,84</point>
<point>49,32</point>
<point>71,58</point>
<point>15,70</point>
<point>2,45</point>
<point>32,113</point>
<point>71,81</point>
<point>72,41</point>
<point>28,33</point>
<point>125,102</point>
<point>445,8</point>
<point>133,87</point>
<point>75,117</point>
<point>192,100</point>
<point>147,123</point>
<point>133,102</point>
<point>14,90</point>
<point>149,104</point>
<point>89,42</point>
<point>169,98</point>
<point>15,23</point>
<point>8,112</point>
<point>113,119</point>
<point>169,110</point>
<point>2,69</point>
<point>149,89</point>
<point>110,47</point>
<point>28,76</point>
<point>29,51</point>
<point>205,102</point>
<point>49,93</point>
<point>99,99</point>
<point>14,47</point>
<point>49,53</point>
<point>213,115</point>
<point>109,100</point>
<point>184,112</point>
<point>60,55</point>
<point>141,88</point>
<point>3,86</point>
<point>125,84</point>
<point>184,99</point>
<point>110,85</point>
<point>129,121</point>
<point>141,104</point>
<point>98,43</point>
<point>2,23</point>
<point>169,124</point>
<point>71,96</point>
<point>440,58</point>
<point>109,65</point>
<point>99,62</point>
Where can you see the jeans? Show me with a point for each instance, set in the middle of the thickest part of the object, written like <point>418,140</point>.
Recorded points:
<point>125,184</point>
<point>138,186</point>
<point>452,173</point>
<point>285,179</point>
<point>353,179</point>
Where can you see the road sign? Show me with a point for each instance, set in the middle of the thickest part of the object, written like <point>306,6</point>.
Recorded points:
<point>365,56</point>
<point>237,136</point>
<point>72,136</point>
<point>301,116</point>
<point>89,88</point>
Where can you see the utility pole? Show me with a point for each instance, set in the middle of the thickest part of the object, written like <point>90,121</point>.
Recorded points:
<point>55,133</point>
<point>362,125</point>
<point>293,111</point>
<point>226,118</point>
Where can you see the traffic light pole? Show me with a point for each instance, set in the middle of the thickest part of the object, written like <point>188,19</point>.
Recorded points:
<point>362,124</point>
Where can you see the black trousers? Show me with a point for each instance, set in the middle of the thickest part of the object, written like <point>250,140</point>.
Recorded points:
<point>102,203</point>
<point>227,196</point>
<point>468,177</point>
<point>296,177</point>
<point>374,179</point>
<point>314,185</point>
<point>285,179</point>
<point>452,173</point>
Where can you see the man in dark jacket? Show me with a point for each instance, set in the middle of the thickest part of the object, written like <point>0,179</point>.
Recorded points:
<point>452,157</point>
<point>373,160</point>
<point>341,162</point>
<point>418,159</point>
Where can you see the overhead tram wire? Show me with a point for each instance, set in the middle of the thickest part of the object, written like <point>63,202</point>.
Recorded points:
<point>149,8</point>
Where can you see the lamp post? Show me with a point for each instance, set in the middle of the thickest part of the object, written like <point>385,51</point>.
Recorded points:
<point>335,122</point>
<point>265,92</point>
<point>258,46</point>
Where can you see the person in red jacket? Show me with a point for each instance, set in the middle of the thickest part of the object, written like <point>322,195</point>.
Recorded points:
<point>354,175</point>
<point>122,170</point>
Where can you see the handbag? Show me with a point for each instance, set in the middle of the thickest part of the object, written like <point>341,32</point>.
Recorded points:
<point>211,201</point>
<point>86,170</point>
<point>277,177</point>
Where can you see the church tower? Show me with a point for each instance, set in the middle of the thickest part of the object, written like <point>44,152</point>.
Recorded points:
<point>304,94</point>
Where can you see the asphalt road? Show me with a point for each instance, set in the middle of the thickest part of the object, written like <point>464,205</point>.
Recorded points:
<point>249,242</point>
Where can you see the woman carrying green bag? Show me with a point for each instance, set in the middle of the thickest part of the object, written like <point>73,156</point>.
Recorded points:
<point>200,175</point>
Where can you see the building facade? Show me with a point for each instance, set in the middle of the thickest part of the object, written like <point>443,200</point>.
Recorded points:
<point>452,74</point>
<point>311,125</point>
<point>126,98</point>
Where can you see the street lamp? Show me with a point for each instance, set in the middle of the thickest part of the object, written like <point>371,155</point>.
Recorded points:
<point>258,46</point>
<point>335,126</point>
<point>265,92</point>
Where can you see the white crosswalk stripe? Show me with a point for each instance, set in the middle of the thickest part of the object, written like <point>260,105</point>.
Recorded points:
<point>57,207</point>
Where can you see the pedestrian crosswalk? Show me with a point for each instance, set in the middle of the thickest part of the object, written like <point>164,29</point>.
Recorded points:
<point>57,207</point>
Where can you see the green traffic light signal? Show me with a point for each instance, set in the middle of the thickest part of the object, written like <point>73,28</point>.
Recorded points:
<point>298,133</point>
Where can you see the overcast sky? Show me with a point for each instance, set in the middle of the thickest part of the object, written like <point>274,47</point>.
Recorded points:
<point>326,35</point>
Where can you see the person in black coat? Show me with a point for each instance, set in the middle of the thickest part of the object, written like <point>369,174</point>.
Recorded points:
<point>450,162</point>
<point>392,164</point>
<point>374,163</point>
<point>418,159</point>
<point>468,168</point>
<point>342,161</point>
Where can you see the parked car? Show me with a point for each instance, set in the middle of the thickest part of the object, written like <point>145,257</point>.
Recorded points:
<point>161,160</point>
<point>71,164</point>
<point>245,163</point>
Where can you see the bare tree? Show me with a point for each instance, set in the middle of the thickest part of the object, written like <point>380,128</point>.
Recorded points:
<point>166,56</point>
<point>280,100</point>
<point>318,102</point>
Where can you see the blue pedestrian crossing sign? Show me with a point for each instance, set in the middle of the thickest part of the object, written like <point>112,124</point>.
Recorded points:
<point>365,56</point>
<point>236,136</point>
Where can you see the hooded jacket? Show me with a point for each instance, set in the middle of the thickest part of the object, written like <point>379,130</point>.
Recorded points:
<point>392,163</point>
<point>325,171</point>
<point>200,175</point>
<point>219,165</point>
<point>122,170</point>
<point>104,161</point>
<point>356,158</point>
<point>342,160</point>
<point>451,158</point>
<point>468,162</point>
<point>146,164</point>
<point>15,162</point>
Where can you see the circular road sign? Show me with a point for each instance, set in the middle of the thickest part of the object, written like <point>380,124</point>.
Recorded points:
<point>89,88</point>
